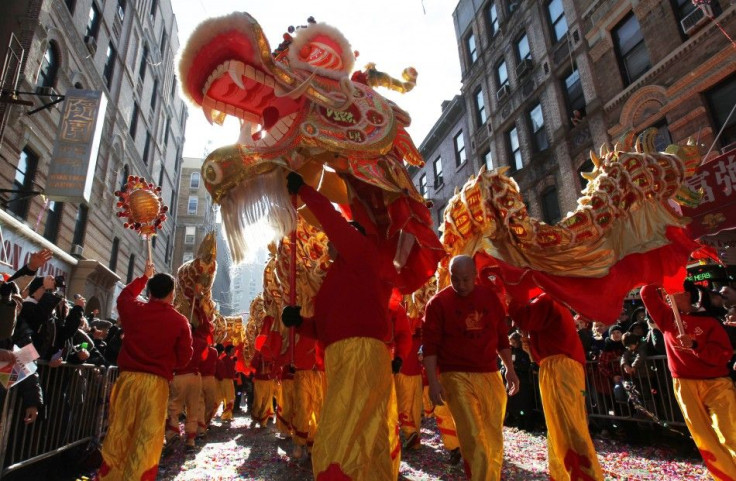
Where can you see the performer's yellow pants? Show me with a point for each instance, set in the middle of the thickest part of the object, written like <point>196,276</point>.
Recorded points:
<point>709,409</point>
<point>409,401</point>
<point>285,408</point>
<point>571,455</point>
<point>185,393</point>
<point>446,425</point>
<point>477,401</point>
<point>262,401</point>
<point>308,398</point>
<point>209,393</point>
<point>135,436</point>
<point>427,403</point>
<point>357,437</point>
<point>227,396</point>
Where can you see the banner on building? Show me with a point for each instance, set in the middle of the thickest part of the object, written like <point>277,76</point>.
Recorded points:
<point>717,211</point>
<point>77,143</point>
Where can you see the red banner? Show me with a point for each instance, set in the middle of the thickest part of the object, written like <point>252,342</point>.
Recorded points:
<point>717,211</point>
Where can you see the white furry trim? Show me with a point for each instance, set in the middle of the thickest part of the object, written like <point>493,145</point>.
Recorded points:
<point>304,36</point>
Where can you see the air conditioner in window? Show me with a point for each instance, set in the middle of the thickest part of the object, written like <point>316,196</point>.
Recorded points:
<point>503,92</point>
<point>524,67</point>
<point>91,44</point>
<point>77,250</point>
<point>696,19</point>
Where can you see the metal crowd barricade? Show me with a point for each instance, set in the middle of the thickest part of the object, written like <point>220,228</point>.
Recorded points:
<point>76,399</point>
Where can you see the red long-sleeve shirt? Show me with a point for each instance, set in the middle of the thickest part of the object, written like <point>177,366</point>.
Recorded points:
<point>710,358</point>
<point>411,365</point>
<point>157,339</point>
<point>402,332</point>
<point>209,365</point>
<point>199,347</point>
<point>551,328</point>
<point>228,367</point>
<point>465,333</point>
<point>353,298</point>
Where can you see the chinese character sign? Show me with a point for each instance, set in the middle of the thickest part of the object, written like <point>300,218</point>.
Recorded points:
<point>717,182</point>
<point>76,146</point>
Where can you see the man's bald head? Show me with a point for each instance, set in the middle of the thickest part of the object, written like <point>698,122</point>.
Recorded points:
<point>462,275</point>
<point>729,296</point>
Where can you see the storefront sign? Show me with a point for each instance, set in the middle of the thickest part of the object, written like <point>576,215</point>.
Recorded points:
<point>717,211</point>
<point>77,143</point>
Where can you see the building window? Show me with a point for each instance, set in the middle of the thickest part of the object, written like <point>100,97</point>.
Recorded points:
<point>70,4</point>
<point>192,205</point>
<point>574,94</point>
<point>460,156</point>
<point>109,65</point>
<point>515,149</point>
<point>23,182</point>
<point>550,206</point>
<point>134,120</point>
<point>80,225</point>
<point>173,87</point>
<point>131,269</point>
<point>49,67</point>
<point>472,50</point>
<point>721,100</point>
<point>487,159</point>
<point>188,256</point>
<point>438,172</point>
<point>631,50</point>
<point>194,180</point>
<point>682,9</point>
<point>53,221</point>
<point>93,23</point>
<point>124,180</point>
<point>522,49</point>
<point>502,75</point>
<point>663,139</point>
<point>536,122</point>
<point>167,254</point>
<point>154,95</point>
<point>164,38</point>
<point>121,10</point>
<point>153,243</point>
<point>480,107</point>
<point>161,175</point>
<point>423,185</point>
<point>147,147</point>
<point>154,8</point>
<point>144,62</point>
<point>113,265</point>
<point>557,20</point>
<point>166,133</point>
<point>492,19</point>
<point>189,234</point>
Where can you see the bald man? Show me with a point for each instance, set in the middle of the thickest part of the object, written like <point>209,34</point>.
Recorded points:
<point>464,333</point>
<point>729,296</point>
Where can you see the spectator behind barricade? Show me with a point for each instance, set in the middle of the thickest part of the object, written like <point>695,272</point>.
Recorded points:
<point>600,334</point>
<point>66,322</point>
<point>633,359</point>
<point>114,342</point>
<point>519,408</point>
<point>585,333</point>
<point>36,314</point>
<point>638,316</point>
<point>654,340</point>
<point>728,294</point>
<point>609,359</point>
<point>624,319</point>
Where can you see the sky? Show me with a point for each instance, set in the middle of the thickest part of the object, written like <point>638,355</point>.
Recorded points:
<point>393,34</point>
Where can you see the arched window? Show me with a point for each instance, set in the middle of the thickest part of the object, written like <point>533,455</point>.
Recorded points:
<point>49,66</point>
<point>131,269</point>
<point>114,254</point>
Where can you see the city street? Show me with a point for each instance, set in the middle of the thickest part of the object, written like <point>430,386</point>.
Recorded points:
<point>257,454</point>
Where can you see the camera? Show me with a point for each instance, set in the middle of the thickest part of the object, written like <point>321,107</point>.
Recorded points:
<point>60,282</point>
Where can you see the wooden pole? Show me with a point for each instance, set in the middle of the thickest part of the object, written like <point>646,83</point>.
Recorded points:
<point>149,241</point>
<point>292,283</point>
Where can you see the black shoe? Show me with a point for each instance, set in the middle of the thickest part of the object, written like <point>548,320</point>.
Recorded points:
<point>412,442</point>
<point>170,445</point>
<point>455,457</point>
<point>189,448</point>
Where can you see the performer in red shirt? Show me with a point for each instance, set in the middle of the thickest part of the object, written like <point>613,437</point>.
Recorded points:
<point>209,388</point>
<point>262,391</point>
<point>357,436</point>
<point>464,334</point>
<point>698,359</point>
<point>227,386</point>
<point>407,373</point>
<point>157,341</point>
<point>555,346</point>
<point>309,393</point>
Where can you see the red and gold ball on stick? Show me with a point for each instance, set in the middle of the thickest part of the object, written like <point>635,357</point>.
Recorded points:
<point>141,204</point>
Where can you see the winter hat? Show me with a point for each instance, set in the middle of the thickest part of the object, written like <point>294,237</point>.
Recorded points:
<point>615,327</point>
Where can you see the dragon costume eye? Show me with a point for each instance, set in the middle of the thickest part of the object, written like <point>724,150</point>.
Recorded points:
<point>212,172</point>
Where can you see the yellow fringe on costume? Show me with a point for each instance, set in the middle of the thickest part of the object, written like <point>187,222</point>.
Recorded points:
<point>285,408</point>
<point>210,391</point>
<point>185,394</point>
<point>709,409</point>
<point>477,401</point>
<point>262,401</point>
<point>358,433</point>
<point>409,400</point>
<point>135,436</point>
<point>571,455</point>
<point>227,394</point>
<point>309,396</point>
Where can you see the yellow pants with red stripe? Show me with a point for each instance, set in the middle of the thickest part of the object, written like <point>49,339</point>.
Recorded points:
<point>185,393</point>
<point>427,403</point>
<point>571,455</point>
<point>135,435</point>
<point>709,409</point>
<point>262,401</point>
<point>209,394</point>
<point>227,396</point>
<point>285,408</point>
<point>308,397</point>
<point>409,401</point>
<point>477,401</point>
<point>446,426</point>
<point>358,437</point>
